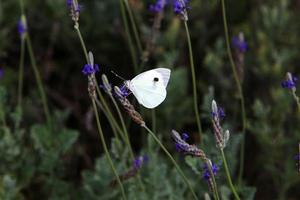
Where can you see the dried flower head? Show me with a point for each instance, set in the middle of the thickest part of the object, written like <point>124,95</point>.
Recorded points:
<point>183,147</point>
<point>220,136</point>
<point>129,107</point>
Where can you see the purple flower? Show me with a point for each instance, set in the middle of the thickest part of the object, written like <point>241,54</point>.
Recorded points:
<point>185,136</point>
<point>206,173</point>
<point>180,6</point>
<point>1,72</point>
<point>139,161</point>
<point>158,6</point>
<point>239,43</point>
<point>69,3</point>
<point>289,83</point>
<point>22,28</point>
<point>88,69</point>
<point>220,113</point>
<point>124,90</point>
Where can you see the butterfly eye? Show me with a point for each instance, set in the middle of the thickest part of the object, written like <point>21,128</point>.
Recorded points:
<point>155,79</point>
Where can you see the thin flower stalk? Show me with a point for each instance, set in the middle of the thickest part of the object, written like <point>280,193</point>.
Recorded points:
<point>106,150</point>
<point>130,42</point>
<point>108,90</point>
<point>134,27</point>
<point>92,86</point>
<point>102,99</point>
<point>137,118</point>
<point>290,84</point>
<point>222,139</point>
<point>22,22</point>
<point>196,109</point>
<point>240,93</point>
<point>93,96</point>
<point>186,149</point>
<point>172,159</point>
<point>23,30</point>
<point>38,80</point>
<point>235,194</point>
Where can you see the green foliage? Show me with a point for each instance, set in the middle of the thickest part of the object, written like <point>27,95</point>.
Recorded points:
<point>65,161</point>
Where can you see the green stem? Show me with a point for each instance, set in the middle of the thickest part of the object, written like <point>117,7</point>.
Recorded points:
<point>106,109</point>
<point>127,140</point>
<point>76,26</point>
<point>240,91</point>
<point>153,115</point>
<point>173,161</point>
<point>134,28</point>
<point>296,98</point>
<point>130,42</point>
<point>38,79</point>
<point>106,150</point>
<point>236,196</point>
<point>215,188</point>
<point>21,72</point>
<point>196,109</point>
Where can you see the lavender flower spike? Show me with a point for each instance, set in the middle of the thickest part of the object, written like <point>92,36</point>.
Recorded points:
<point>239,43</point>
<point>185,148</point>
<point>290,82</point>
<point>158,6</point>
<point>180,8</point>
<point>75,8</point>
<point>22,26</point>
<point>220,136</point>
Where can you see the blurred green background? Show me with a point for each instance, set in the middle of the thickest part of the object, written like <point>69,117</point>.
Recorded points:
<point>68,163</point>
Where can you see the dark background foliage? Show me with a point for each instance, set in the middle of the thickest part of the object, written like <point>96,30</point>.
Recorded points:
<point>67,162</point>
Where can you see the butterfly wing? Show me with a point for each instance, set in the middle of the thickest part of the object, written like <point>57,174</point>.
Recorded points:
<point>149,87</point>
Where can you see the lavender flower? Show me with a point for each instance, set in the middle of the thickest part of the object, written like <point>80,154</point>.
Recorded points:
<point>179,7</point>
<point>220,136</point>
<point>183,147</point>
<point>158,6</point>
<point>89,69</point>
<point>239,43</point>
<point>220,113</point>
<point>136,117</point>
<point>139,161</point>
<point>206,172</point>
<point>185,136</point>
<point>124,91</point>
<point>75,9</point>
<point>290,82</point>
<point>22,26</point>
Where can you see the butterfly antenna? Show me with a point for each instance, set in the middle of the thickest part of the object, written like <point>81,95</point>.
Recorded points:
<point>117,75</point>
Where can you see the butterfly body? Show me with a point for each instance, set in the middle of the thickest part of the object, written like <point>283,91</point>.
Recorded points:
<point>149,87</point>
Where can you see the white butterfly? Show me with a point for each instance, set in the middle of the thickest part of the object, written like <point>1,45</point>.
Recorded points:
<point>149,87</point>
